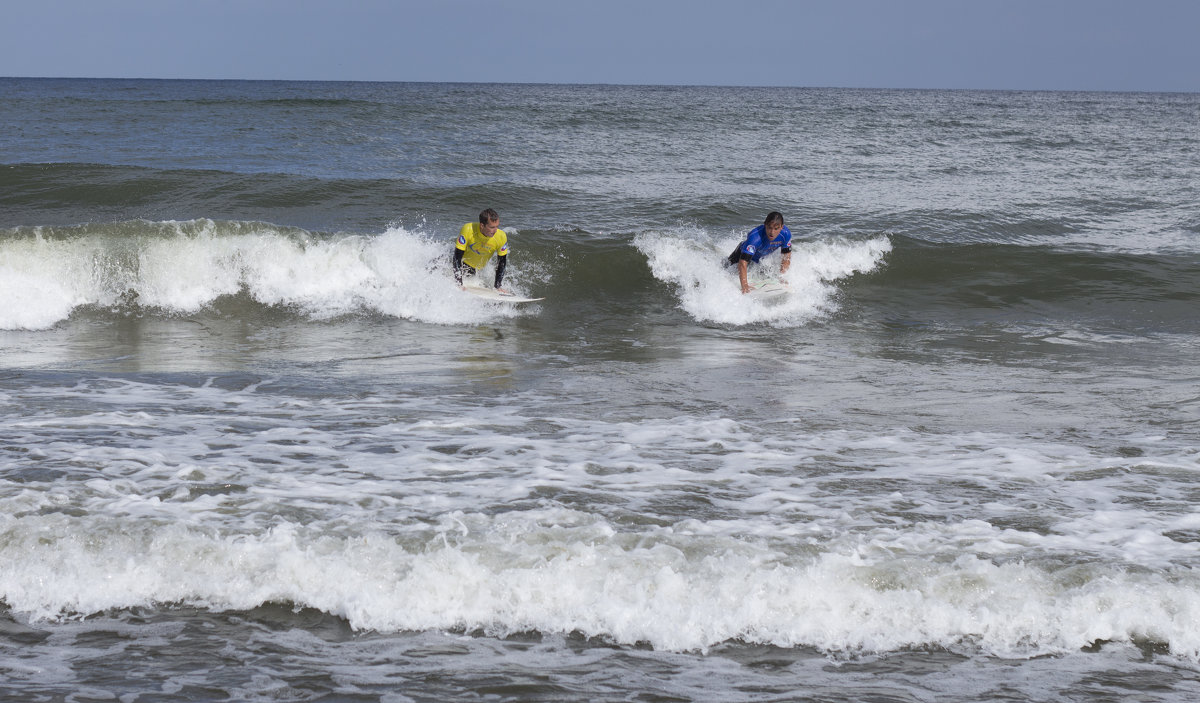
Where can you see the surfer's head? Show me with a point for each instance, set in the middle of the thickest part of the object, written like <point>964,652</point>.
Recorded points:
<point>489,222</point>
<point>773,225</point>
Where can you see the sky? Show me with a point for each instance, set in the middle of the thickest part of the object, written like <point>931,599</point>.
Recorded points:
<point>1120,45</point>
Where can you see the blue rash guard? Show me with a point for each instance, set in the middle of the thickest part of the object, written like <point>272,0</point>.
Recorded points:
<point>756,245</point>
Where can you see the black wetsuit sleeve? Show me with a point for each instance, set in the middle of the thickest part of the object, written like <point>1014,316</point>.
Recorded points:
<point>501,262</point>
<point>736,256</point>
<point>785,250</point>
<point>458,265</point>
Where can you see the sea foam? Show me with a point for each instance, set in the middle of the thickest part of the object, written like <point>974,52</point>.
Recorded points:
<point>557,571</point>
<point>152,495</point>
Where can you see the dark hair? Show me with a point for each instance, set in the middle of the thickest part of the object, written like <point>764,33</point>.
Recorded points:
<point>772,218</point>
<point>488,215</point>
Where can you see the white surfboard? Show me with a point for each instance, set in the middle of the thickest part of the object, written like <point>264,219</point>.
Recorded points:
<point>770,289</point>
<point>494,295</point>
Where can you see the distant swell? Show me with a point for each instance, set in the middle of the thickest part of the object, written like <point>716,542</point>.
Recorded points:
<point>54,194</point>
<point>1009,282</point>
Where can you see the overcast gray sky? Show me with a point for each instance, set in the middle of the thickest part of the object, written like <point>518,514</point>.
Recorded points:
<point>1143,45</point>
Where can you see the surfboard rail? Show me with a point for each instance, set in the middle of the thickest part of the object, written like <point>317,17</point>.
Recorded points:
<point>494,295</point>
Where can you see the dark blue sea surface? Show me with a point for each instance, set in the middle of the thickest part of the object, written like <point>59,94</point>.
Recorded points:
<point>256,445</point>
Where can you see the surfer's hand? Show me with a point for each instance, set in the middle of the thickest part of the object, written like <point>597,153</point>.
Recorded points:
<point>502,291</point>
<point>745,288</point>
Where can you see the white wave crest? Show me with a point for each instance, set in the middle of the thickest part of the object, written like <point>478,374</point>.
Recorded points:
<point>559,571</point>
<point>709,292</point>
<point>182,267</point>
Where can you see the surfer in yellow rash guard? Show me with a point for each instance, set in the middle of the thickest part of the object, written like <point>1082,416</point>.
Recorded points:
<point>476,244</point>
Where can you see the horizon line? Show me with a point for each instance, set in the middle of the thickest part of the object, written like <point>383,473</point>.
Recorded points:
<point>601,84</point>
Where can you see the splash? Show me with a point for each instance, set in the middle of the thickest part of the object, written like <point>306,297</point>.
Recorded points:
<point>709,291</point>
<point>181,268</point>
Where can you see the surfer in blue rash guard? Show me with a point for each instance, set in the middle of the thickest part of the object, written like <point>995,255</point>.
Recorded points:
<point>772,234</point>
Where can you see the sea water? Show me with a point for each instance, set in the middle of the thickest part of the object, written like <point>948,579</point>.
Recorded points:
<point>254,444</point>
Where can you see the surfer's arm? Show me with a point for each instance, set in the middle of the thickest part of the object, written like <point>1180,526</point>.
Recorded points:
<point>742,269</point>
<point>501,262</point>
<point>458,266</point>
<point>784,265</point>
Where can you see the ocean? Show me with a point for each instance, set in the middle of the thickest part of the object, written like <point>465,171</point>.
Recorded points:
<point>256,446</point>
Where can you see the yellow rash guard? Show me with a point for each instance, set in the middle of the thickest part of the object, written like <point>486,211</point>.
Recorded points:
<point>476,248</point>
